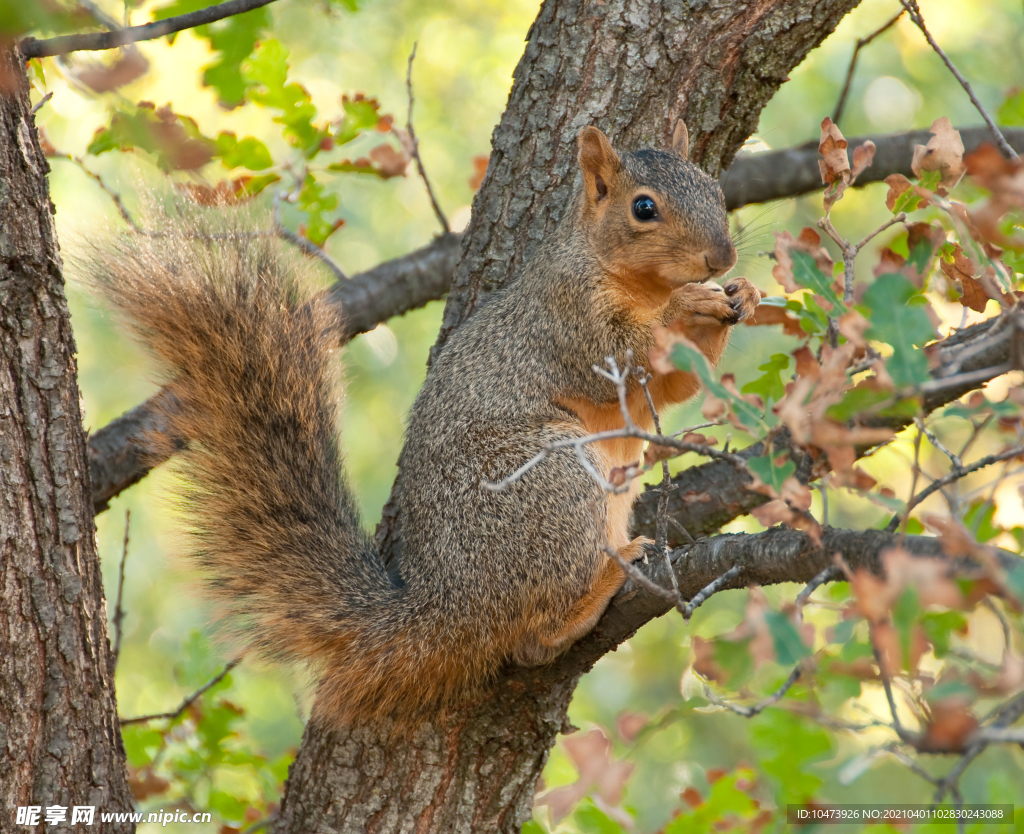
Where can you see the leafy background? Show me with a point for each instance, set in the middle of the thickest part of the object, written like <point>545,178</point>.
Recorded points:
<point>651,744</point>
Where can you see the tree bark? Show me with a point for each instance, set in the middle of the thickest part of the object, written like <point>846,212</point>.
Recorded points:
<point>631,68</point>
<point>60,743</point>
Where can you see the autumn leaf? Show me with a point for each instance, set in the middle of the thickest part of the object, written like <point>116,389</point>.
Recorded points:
<point>591,756</point>
<point>863,156</point>
<point>389,162</point>
<point>770,313</point>
<point>479,171</point>
<point>102,78</point>
<point>834,164</point>
<point>943,153</point>
<point>904,195</point>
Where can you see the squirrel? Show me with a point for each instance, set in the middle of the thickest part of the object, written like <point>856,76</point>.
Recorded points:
<point>479,577</point>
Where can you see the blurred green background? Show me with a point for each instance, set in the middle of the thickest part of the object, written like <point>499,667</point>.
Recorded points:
<point>466,55</point>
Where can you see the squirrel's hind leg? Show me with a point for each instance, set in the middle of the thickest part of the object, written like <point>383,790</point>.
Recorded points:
<point>547,641</point>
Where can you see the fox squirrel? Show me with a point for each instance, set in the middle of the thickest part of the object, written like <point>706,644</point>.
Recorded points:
<point>480,576</point>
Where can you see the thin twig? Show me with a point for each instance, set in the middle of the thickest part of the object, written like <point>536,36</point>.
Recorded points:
<point>638,576</point>
<point>915,15</point>
<point>861,43</point>
<point>988,460</point>
<point>91,41</point>
<point>41,102</point>
<point>620,379</point>
<point>711,588</point>
<point>904,734</point>
<point>827,575</point>
<point>118,617</point>
<point>661,519</point>
<point>911,763</point>
<point>191,699</point>
<point>760,706</point>
<point>415,148</point>
<point>303,243</point>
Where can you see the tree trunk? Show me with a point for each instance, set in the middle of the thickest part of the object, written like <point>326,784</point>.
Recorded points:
<point>631,68</point>
<point>60,743</point>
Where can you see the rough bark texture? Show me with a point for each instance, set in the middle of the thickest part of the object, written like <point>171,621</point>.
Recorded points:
<point>60,743</point>
<point>631,68</point>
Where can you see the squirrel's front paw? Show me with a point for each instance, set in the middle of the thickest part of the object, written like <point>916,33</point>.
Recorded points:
<point>743,298</point>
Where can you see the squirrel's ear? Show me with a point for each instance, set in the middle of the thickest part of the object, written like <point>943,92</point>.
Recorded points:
<point>598,162</point>
<point>681,140</point>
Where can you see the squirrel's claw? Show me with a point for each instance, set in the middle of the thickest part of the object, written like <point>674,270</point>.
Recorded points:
<point>743,298</point>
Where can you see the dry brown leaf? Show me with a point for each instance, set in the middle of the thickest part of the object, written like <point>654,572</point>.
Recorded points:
<point>951,725</point>
<point>145,783</point>
<point>655,453</point>
<point>704,663</point>
<point>479,171</point>
<point>390,163</point>
<point>691,796</point>
<point>767,314</point>
<point>944,152</point>
<point>863,156</point>
<point>629,724</point>
<point>102,78</point>
<point>834,164</point>
<point>591,755</point>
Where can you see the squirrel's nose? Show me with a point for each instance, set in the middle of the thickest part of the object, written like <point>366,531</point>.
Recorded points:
<point>721,258</point>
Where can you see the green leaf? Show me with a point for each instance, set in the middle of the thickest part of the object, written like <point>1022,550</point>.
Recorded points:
<point>930,180</point>
<point>733,656</point>
<point>590,819</point>
<point>532,827</point>
<point>693,361</point>
<point>771,472</point>
<point>904,617</point>
<point>174,140</point>
<point>1011,111</point>
<point>769,386</point>
<point>317,204</point>
<point>939,627</point>
<point>361,114</point>
<point>788,744</point>
<point>807,274</point>
<point>843,630</point>
<point>908,201</point>
<point>903,325</point>
<point>978,520</point>
<point>226,805</point>
<point>727,802</point>
<point>248,152</point>
<point>267,70</point>
<point>233,38</point>
<point>141,743</point>
<point>789,647</point>
<point>1015,581</point>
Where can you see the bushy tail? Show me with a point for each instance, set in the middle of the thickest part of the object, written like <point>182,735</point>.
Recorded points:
<point>272,519</point>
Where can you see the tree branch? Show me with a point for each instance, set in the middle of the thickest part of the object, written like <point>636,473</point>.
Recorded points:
<point>769,558</point>
<point>35,48</point>
<point>775,175</point>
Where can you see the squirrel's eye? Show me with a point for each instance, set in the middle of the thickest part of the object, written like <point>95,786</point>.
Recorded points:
<point>644,208</point>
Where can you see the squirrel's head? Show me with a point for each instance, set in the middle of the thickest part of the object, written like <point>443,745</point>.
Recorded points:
<point>654,219</point>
